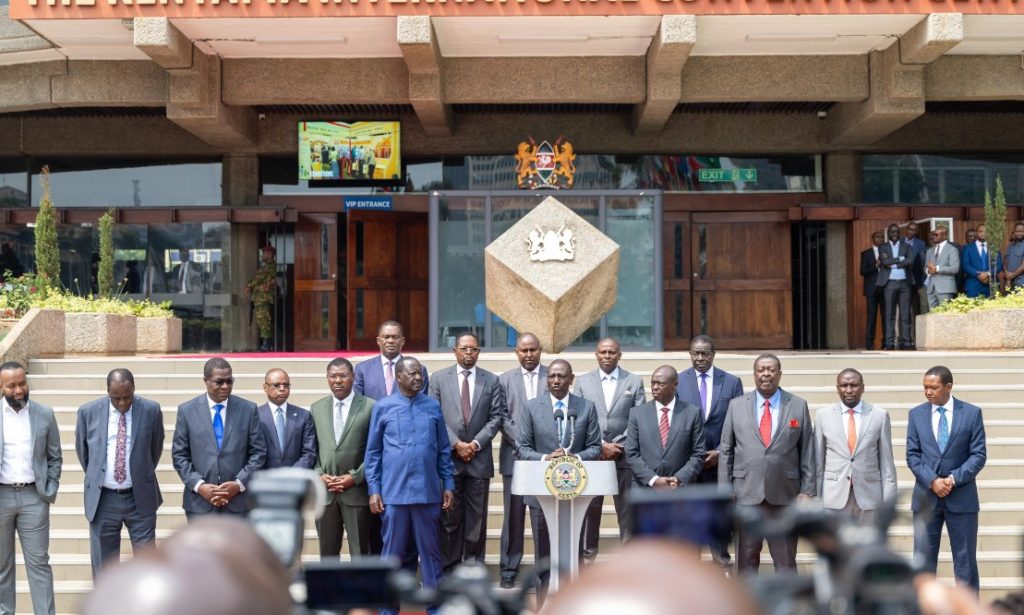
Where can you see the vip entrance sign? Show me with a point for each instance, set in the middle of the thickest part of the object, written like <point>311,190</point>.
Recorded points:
<point>374,203</point>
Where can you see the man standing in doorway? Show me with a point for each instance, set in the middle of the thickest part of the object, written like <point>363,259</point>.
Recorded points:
<point>896,277</point>
<point>521,384</point>
<point>943,266</point>
<point>873,295</point>
<point>614,392</point>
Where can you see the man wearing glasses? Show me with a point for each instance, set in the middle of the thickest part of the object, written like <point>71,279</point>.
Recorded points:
<point>287,429</point>
<point>218,445</point>
<point>473,404</point>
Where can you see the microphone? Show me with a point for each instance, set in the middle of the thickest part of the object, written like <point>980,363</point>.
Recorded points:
<point>573,413</point>
<point>559,418</point>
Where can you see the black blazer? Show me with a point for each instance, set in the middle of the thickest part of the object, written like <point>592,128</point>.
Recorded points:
<point>906,264</point>
<point>682,457</point>
<point>869,271</point>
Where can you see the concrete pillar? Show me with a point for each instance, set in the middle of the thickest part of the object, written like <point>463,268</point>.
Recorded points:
<point>240,180</point>
<point>240,185</point>
<point>844,179</point>
<point>843,184</point>
<point>426,77</point>
<point>665,59</point>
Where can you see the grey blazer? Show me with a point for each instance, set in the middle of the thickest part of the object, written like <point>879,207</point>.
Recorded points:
<point>944,280</point>
<point>515,402</point>
<point>629,392</point>
<point>345,457</point>
<point>46,455</point>
<point>776,473</point>
<point>196,457</point>
<point>147,445</point>
<point>870,469</point>
<point>682,457</point>
<point>487,410</point>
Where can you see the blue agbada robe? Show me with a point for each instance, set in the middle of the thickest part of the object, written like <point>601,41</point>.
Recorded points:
<point>408,455</point>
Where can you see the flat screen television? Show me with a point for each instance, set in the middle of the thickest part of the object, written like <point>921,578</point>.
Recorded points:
<point>350,152</point>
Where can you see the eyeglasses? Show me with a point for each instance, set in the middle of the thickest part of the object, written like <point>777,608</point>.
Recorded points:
<point>468,350</point>
<point>278,385</point>
<point>221,381</point>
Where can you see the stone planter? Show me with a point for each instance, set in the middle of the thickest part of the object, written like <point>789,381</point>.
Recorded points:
<point>161,335</point>
<point>978,330</point>
<point>99,333</point>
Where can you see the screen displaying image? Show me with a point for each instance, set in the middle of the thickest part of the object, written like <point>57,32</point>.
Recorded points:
<point>357,151</point>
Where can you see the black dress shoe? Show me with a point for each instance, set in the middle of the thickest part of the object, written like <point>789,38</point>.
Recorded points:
<point>508,582</point>
<point>888,348</point>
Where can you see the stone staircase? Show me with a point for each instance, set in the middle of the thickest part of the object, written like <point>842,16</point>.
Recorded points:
<point>995,381</point>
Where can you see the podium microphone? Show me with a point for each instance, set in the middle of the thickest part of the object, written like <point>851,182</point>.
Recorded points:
<point>559,420</point>
<point>573,413</point>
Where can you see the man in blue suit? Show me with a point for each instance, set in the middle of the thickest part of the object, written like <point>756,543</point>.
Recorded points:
<point>710,389</point>
<point>978,270</point>
<point>375,377</point>
<point>409,472</point>
<point>287,428</point>
<point>946,451</point>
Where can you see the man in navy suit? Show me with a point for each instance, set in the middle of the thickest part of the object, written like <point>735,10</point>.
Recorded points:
<point>119,439</point>
<point>978,271</point>
<point>710,389</point>
<point>288,429</point>
<point>946,451</point>
<point>375,377</point>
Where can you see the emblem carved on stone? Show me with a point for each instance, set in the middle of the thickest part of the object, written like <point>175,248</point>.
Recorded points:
<point>551,245</point>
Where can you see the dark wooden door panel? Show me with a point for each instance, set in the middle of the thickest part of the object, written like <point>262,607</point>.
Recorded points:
<point>316,282</point>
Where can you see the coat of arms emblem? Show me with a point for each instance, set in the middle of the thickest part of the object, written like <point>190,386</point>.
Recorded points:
<point>545,165</point>
<point>551,245</point>
<point>565,477</point>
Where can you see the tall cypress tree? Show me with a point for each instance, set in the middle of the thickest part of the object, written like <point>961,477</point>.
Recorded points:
<point>47,249</point>
<point>105,281</point>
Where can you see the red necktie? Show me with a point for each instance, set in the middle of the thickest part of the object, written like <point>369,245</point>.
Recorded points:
<point>766,424</point>
<point>663,427</point>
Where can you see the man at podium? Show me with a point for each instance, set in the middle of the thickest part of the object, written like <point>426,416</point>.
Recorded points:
<point>554,425</point>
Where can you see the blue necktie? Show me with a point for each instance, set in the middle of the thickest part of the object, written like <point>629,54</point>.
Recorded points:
<point>218,424</point>
<point>704,394</point>
<point>943,430</point>
<point>279,423</point>
<point>561,424</point>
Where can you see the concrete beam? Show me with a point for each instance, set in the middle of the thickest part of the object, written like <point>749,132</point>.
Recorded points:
<point>775,78</point>
<point>327,81</point>
<point>105,136</point>
<point>418,43</point>
<point>161,40</point>
<point>666,56</point>
<point>975,78</point>
<point>25,87</point>
<point>896,99</point>
<point>604,79</point>
<point>931,38</point>
<point>132,83</point>
<point>194,103</point>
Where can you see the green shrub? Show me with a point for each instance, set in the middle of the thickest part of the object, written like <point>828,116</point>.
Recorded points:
<point>25,292</point>
<point>47,249</point>
<point>962,304</point>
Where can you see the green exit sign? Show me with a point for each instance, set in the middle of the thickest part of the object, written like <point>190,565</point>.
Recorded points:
<point>728,175</point>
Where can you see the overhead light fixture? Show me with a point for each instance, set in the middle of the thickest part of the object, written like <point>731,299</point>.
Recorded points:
<point>790,37</point>
<point>543,38</point>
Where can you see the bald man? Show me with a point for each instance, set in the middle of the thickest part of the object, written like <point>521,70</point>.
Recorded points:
<point>288,429</point>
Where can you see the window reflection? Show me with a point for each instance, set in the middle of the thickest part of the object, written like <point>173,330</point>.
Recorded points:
<point>129,183</point>
<point>13,182</point>
<point>917,178</point>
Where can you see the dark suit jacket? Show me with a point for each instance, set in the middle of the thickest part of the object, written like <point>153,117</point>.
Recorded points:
<point>370,378</point>
<point>147,445</point>
<point>46,455</point>
<point>487,410</point>
<point>538,435</point>
<point>515,402</point>
<point>963,458</point>
<point>917,255</point>
<point>345,457</point>
<point>683,457</point>
<point>869,272</point>
<point>299,438</point>
<point>196,457</point>
<point>972,264</point>
<point>724,388</point>
<point>906,263</point>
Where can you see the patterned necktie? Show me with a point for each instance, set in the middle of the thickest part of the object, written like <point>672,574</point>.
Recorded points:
<point>766,424</point>
<point>943,438</point>
<point>465,396</point>
<point>389,377</point>
<point>218,424</point>
<point>704,394</point>
<point>120,473</point>
<point>851,432</point>
<point>279,423</point>
<point>339,420</point>
<point>663,427</point>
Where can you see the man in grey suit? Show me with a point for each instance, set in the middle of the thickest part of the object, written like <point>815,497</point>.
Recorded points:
<point>119,439</point>
<point>614,392</point>
<point>767,455</point>
<point>856,472</point>
<point>30,465</point>
<point>473,404</point>
<point>665,441</point>
<point>544,436</point>
<point>218,445</point>
<point>943,266</point>
<point>287,429</point>
<point>342,421</point>
<point>521,384</point>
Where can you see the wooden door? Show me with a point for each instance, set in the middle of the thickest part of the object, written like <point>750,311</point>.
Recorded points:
<point>388,268</point>
<point>315,305</point>
<point>741,268</point>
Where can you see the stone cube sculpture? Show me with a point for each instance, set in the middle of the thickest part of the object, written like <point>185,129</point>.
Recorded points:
<point>552,274</point>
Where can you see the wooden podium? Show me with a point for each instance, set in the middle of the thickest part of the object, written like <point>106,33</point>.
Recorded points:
<point>564,514</point>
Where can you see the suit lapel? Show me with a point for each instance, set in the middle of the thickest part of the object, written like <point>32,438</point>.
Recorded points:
<point>234,417</point>
<point>783,417</point>
<point>355,409</point>
<point>478,385</point>
<point>924,426</point>
<point>137,418</point>
<point>549,423</point>
<point>716,395</point>
<point>866,417</point>
<point>958,419</point>
<point>290,425</point>
<point>674,427</point>
<point>33,426</point>
<point>267,421</point>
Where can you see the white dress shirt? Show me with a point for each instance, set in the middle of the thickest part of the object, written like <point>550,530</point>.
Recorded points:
<point>711,387</point>
<point>113,416</point>
<point>16,466</point>
<point>671,409</point>
<point>531,387</point>
<point>949,418</point>
<point>608,384</point>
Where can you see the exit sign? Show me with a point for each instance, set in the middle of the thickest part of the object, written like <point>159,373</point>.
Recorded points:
<point>728,175</point>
